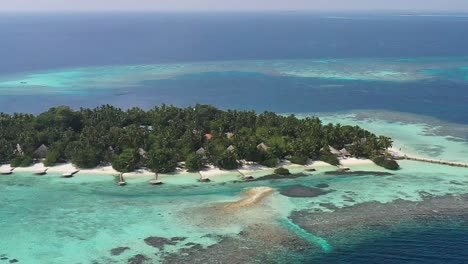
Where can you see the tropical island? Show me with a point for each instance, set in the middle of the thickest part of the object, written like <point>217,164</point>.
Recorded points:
<point>167,137</point>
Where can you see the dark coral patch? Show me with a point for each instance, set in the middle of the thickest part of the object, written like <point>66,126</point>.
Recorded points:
<point>322,185</point>
<point>358,173</point>
<point>161,242</point>
<point>119,250</point>
<point>302,191</point>
<point>138,259</point>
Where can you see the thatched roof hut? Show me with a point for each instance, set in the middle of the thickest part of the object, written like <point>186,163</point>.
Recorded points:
<point>262,146</point>
<point>41,152</point>
<point>200,151</point>
<point>18,151</point>
<point>345,152</point>
<point>334,151</point>
<point>231,148</point>
<point>142,153</point>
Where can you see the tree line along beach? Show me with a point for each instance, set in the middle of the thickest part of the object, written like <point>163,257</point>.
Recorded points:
<point>167,139</point>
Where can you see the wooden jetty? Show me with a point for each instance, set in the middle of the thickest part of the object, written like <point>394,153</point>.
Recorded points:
<point>442,162</point>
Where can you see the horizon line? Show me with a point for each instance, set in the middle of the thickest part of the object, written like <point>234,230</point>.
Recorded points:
<point>399,11</point>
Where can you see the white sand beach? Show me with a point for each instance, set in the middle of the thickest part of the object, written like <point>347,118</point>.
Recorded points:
<point>210,172</point>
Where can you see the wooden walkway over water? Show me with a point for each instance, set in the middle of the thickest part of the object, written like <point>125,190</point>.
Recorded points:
<point>443,162</point>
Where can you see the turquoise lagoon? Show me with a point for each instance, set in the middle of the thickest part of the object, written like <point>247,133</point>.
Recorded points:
<point>55,220</point>
<point>80,220</point>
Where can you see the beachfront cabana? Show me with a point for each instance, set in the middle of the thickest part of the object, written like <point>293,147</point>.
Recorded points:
<point>41,152</point>
<point>200,151</point>
<point>18,150</point>
<point>334,151</point>
<point>111,150</point>
<point>149,128</point>
<point>142,153</point>
<point>262,146</point>
<point>345,152</point>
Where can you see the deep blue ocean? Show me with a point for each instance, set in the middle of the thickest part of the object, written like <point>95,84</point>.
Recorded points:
<point>41,42</point>
<point>44,41</point>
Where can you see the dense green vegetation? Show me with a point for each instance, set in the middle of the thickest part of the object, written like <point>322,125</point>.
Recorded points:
<point>327,157</point>
<point>165,135</point>
<point>301,160</point>
<point>194,162</point>
<point>126,161</point>
<point>22,161</point>
<point>389,164</point>
<point>282,171</point>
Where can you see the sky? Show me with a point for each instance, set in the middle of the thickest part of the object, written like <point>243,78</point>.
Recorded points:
<point>231,5</point>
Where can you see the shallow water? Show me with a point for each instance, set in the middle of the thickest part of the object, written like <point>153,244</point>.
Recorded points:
<point>386,86</point>
<point>57,220</point>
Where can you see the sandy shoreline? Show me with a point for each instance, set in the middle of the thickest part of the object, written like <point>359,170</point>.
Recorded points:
<point>209,172</point>
<point>254,196</point>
